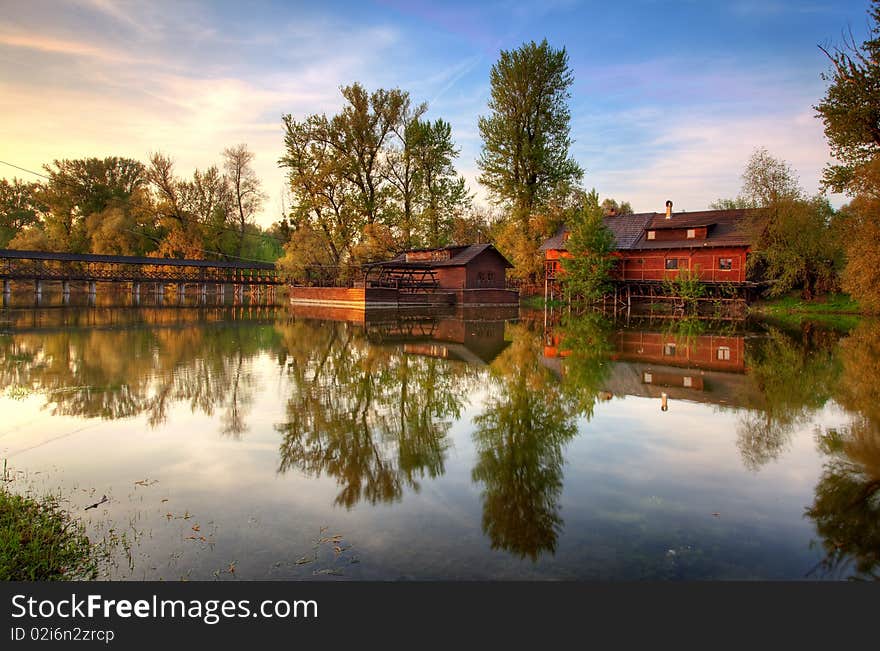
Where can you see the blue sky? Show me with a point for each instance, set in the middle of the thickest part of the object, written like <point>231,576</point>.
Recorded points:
<point>669,98</point>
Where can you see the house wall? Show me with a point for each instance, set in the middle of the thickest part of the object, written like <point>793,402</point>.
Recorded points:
<point>705,262</point>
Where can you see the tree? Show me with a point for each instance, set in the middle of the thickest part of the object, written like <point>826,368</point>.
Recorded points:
<point>182,233</point>
<point>244,185</point>
<point>79,188</point>
<point>323,198</point>
<point>611,207</point>
<point>793,241</point>
<point>591,245</point>
<point>860,231</point>
<point>401,168</point>
<point>358,135</point>
<point>526,137</point>
<point>444,192</point>
<point>850,109</point>
<point>19,208</point>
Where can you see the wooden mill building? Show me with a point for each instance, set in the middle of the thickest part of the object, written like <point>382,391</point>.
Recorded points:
<point>474,274</point>
<point>655,247</point>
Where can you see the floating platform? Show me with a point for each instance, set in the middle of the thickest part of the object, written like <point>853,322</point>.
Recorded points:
<point>363,298</point>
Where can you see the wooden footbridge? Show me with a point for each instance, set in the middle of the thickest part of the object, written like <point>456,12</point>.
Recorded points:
<point>37,268</point>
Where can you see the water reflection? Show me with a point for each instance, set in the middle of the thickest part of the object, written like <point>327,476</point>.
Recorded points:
<point>522,431</point>
<point>111,363</point>
<point>364,409</point>
<point>846,509</point>
<point>373,401</point>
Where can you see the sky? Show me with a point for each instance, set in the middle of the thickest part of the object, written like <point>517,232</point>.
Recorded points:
<point>669,98</point>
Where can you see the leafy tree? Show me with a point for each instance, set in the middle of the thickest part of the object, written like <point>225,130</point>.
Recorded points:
<point>19,208</point>
<point>793,241</point>
<point>358,135</point>
<point>444,192</point>
<point>323,197</point>
<point>591,246</point>
<point>79,188</point>
<point>31,238</point>
<point>859,227</point>
<point>850,109</point>
<point>526,138</point>
<point>611,207</point>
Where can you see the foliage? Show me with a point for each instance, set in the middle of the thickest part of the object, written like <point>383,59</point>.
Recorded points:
<point>526,137</point>
<point>794,242</point>
<point>611,207</point>
<point>375,178</point>
<point>591,245</point>
<point>19,208</point>
<point>850,109</point>
<point>686,285</point>
<point>40,541</point>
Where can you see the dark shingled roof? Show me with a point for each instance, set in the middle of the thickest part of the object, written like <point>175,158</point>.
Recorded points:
<point>459,256</point>
<point>725,228</point>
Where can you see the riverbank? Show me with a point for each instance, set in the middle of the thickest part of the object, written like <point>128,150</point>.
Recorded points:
<point>40,541</point>
<point>835,310</point>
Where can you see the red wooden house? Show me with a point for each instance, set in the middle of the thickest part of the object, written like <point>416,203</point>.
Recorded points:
<point>711,244</point>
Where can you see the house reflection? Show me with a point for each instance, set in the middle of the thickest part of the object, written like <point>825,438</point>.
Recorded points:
<point>708,368</point>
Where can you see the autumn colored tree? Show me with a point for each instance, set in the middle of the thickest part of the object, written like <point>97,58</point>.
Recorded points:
<point>19,208</point>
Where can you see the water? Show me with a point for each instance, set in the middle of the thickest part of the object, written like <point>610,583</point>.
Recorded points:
<point>257,442</point>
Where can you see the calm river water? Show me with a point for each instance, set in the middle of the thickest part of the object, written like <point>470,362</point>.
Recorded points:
<point>269,443</point>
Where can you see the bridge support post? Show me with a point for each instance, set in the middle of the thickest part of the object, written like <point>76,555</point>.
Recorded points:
<point>93,291</point>
<point>7,291</point>
<point>160,292</point>
<point>181,292</point>
<point>38,290</point>
<point>65,291</point>
<point>204,293</point>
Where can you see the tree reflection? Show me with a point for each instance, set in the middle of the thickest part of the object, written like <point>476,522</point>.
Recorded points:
<point>140,369</point>
<point>790,379</point>
<point>527,420</point>
<point>846,509</point>
<point>371,416</point>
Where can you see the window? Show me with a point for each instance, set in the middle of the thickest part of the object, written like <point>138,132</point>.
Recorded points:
<point>652,235</point>
<point>723,353</point>
<point>672,263</point>
<point>725,264</point>
<point>687,381</point>
<point>692,233</point>
<point>648,378</point>
<point>669,350</point>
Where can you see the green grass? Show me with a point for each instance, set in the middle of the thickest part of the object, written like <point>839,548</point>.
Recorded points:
<point>40,541</point>
<point>836,310</point>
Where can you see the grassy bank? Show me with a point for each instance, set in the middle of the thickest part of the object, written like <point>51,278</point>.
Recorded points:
<point>837,310</point>
<point>40,541</point>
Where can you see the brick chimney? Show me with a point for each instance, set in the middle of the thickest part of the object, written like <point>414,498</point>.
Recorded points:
<point>668,209</point>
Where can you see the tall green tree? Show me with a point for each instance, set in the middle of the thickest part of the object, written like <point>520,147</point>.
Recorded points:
<point>444,193</point>
<point>526,137</point>
<point>591,245</point>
